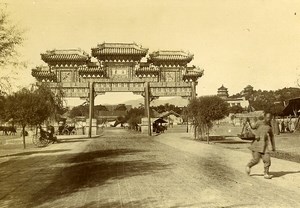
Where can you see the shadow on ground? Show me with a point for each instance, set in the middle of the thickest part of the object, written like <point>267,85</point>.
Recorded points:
<point>71,140</point>
<point>78,172</point>
<point>228,141</point>
<point>278,174</point>
<point>283,173</point>
<point>34,152</point>
<point>145,203</point>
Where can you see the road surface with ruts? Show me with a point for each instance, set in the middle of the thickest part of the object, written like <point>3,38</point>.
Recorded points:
<point>124,169</point>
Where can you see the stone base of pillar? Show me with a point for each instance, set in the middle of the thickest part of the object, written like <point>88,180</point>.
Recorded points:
<point>94,127</point>
<point>144,125</point>
<point>144,129</point>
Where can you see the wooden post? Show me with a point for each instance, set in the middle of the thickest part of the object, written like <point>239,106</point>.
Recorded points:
<point>147,106</point>
<point>195,131</point>
<point>187,124</point>
<point>91,107</point>
<point>207,135</point>
<point>23,135</point>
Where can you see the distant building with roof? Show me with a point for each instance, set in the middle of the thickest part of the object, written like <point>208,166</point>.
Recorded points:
<point>239,101</point>
<point>248,90</point>
<point>223,92</point>
<point>112,112</point>
<point>172,117</point>
<point>292,108</point>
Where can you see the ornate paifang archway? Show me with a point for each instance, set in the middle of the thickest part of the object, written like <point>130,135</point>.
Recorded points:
<point>119,69</point>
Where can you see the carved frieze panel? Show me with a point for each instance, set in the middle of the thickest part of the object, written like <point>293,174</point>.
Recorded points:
<point>66,76</point>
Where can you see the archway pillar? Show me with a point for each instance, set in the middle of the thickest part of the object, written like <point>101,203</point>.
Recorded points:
<point>91,107</point>
<point>147,107</point>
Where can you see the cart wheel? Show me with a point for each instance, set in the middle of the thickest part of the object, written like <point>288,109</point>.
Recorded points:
<point>38,141</point>
<point>43,142</point>
<point>66,132</point>
<point>35,139</point>
<point>73,132</point>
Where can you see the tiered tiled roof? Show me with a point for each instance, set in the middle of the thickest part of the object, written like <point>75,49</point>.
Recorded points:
<point>147,68</point>
<point>92,68</point>
<point>223,92</point>
<point>69,55</point>
<point>171,56</point>
<point>43,73</point>
<point>222,88</point>
<point>192,73</point>
<point>119,49</point>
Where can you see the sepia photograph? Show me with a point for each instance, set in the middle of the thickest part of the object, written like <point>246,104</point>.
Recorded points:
<point>149,103</point>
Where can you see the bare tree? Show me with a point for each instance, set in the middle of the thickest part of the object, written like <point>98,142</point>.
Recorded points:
<point>11,36</point>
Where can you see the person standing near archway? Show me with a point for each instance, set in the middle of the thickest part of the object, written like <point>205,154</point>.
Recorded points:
<point>260,146</point>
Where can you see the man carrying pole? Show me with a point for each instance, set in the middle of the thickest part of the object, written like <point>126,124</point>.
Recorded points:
<point>260,146</point>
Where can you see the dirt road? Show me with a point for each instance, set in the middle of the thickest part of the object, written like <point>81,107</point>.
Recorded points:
<point>122,169</point>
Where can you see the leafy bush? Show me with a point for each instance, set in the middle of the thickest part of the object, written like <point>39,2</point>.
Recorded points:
<point>204,110</point>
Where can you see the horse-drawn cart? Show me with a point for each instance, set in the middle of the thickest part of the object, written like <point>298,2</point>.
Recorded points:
<point>67,129</point>
<point>42,137</point>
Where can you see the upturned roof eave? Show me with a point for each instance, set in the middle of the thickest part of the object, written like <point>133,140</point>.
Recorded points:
<point>101,49</point>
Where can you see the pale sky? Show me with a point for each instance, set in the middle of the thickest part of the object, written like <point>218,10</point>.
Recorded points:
<point>236,42</point>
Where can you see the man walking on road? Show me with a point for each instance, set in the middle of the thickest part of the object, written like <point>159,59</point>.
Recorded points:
<point>260,146</point>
